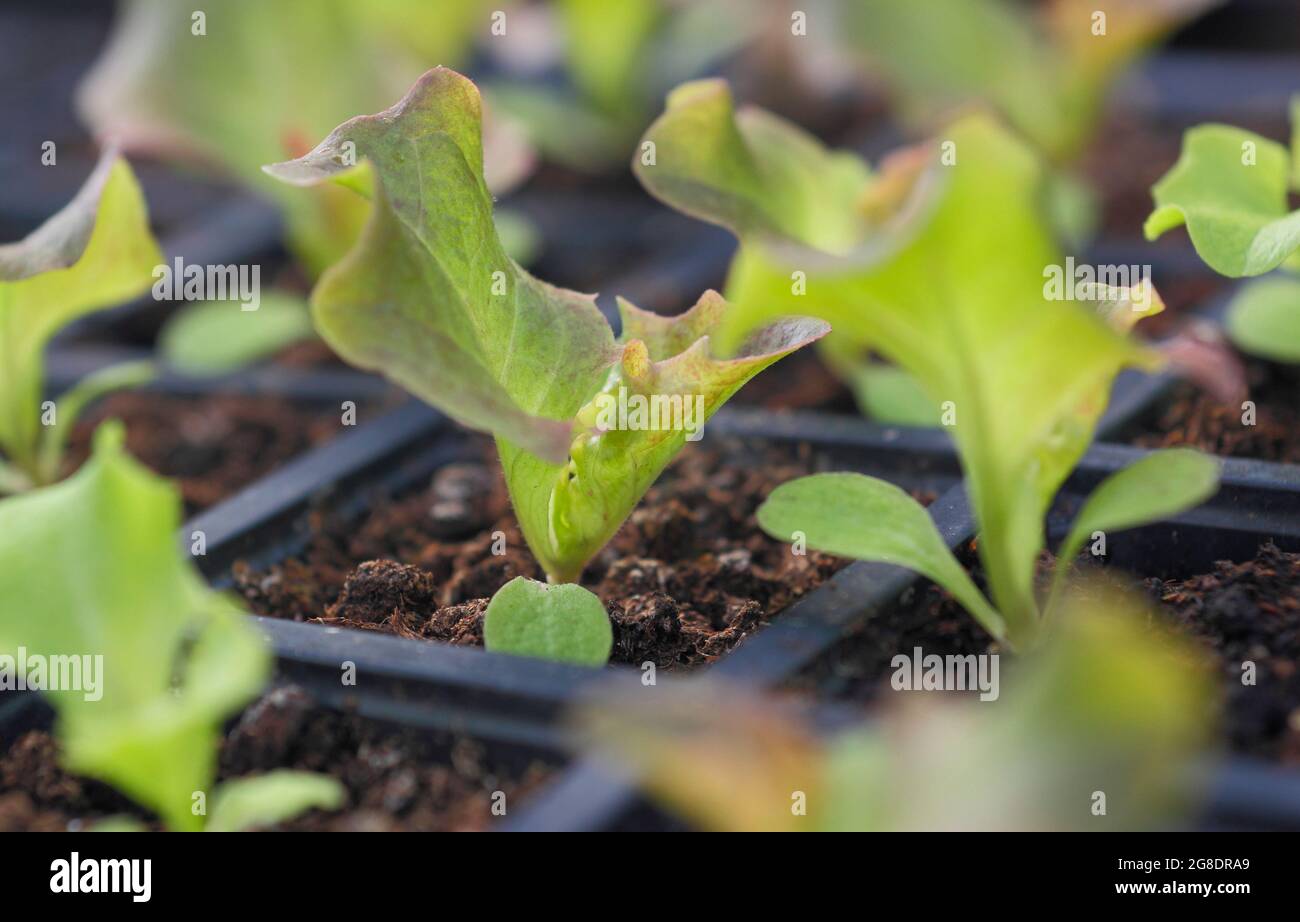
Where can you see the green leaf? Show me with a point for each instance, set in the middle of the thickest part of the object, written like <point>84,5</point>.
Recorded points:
<point>1264,319</point>
<point>752,172</point>
<point>94,254</point>
<point>890,395</point>
<point>429,298</point>
<point>1162,484</point>
<point>1229,187</point>
<point>852,515</point>
<point>90,568</point>
<point>261,83</point>
<point>215,337</point>
<point>265,800</point>
<point>947,282</point>
<point>561,622</point>
<point>72,404</point>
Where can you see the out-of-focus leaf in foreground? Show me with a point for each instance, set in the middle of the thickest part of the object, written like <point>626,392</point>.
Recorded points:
<point>90,568</point>
<point>1109,705</point>
<point>94,254</point>
<point>429,298</point>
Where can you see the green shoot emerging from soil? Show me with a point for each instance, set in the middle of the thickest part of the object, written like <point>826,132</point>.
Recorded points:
<point>938,264</point>
<point>1110,705</point>
<point>1230,188</point>
<point>140,660</point>
<point>583,424</point>
<point>94,254</point>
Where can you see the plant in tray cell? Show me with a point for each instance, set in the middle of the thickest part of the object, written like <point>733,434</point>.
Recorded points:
<point>141,662</point>
<point>583,423</point>
<point>1230,188</point>
<point>94,254</point>
<point>939,264</point>
<point>1096,733</point>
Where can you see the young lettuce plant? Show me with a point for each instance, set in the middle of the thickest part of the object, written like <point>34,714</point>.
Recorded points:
<point>1108,705</point>
<point>429,298</point>
<point>141,662</point>
<point>94,254</point>
<point>939,265</point>
<point>1230,187</point>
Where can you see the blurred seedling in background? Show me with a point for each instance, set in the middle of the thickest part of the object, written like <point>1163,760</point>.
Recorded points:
<point>94,254</point>
<point>1230,189</point>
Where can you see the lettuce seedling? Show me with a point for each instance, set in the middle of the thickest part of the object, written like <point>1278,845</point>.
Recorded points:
<point>1108,706</point>
<point>94,254</point>
<point>1230,187</point>
<point>429,298</point>
<point>140,660</point>
<point>237,84</point>
<point>939,265</point>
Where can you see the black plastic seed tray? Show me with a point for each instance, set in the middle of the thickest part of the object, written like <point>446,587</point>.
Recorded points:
<point>400,452</point>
